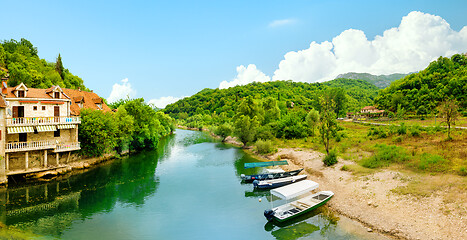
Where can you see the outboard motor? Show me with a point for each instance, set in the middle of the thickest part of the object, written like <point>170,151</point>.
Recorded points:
<point>255,183</point>
<point>269,214</point>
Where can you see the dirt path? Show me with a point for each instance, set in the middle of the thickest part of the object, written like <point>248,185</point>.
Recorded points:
<point>369,199</point>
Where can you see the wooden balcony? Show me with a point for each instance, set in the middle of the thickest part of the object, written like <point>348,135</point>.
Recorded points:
<point>34,121</point>
<point>41,145</point>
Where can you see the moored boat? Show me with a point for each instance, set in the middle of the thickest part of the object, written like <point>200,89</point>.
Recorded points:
<point>266,176</point>
<point>279,182</point>
<point>265,164</point>
<point>298,207</point>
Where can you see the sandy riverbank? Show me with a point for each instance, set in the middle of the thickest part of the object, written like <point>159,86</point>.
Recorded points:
<point>369,200</point>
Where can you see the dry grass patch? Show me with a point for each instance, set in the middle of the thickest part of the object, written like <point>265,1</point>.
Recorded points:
<point>314,172</point>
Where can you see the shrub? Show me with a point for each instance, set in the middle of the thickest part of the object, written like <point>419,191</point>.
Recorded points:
<point>264,146</point>
<point>433,163</point>
<point>385,155</point>
<point>331,158</point>
<point>345,168</point>
<point>397,139</point>
<point>402,130</point>
<point>462,171</point>
<point>415,131</point>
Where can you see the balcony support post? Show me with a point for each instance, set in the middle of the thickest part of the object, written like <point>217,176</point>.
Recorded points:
<point>57,158</point>
<point>7,161</point>
<point>68,158</point>
<point>45,158</point>
<point>27,160</point>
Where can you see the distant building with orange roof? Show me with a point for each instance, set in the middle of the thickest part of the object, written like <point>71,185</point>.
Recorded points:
<point>82,99</point>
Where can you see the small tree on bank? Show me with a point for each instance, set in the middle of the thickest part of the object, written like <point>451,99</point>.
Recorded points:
<point>328,125</point>
<point>312,118</point>
<point>245,129</point>
<point>223,131</point>
<point>448,110</point>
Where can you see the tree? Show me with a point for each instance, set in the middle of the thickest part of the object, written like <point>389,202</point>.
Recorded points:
<point>59,67</point>
<point>223,131</point>
<point>245,128</point>
<point>340,100</point>
<point>124,129</point>
<point>328,125</point>
<point>97,132</point>
<point>312,118</point>
<point>448,110</point>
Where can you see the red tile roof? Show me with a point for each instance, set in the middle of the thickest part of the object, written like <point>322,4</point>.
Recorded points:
<point>33,93</point>
<point>88,99</point>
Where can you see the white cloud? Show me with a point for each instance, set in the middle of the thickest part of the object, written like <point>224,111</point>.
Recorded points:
<point>282,22</point>
<point>246,75</point>
<point>419,39</point>
<point>164,101</point>
<point>121,91</point>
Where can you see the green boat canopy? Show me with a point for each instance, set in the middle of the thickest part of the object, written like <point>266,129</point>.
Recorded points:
<point>265,164</point>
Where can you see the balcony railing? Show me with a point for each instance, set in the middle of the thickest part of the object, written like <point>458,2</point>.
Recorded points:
<point>29,146</point>
<point>29,121</point>
<point>63,147</point>
<point>41,145</point>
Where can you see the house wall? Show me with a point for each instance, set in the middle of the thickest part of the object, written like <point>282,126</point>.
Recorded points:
<point>66,135</point>
<point>3,176</point>
<point>48,112</point>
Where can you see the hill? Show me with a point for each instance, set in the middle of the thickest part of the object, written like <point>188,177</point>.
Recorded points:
<point>20,61</point>
<point>303,95</point>
<point>381,81</point>
<point>423,91</point>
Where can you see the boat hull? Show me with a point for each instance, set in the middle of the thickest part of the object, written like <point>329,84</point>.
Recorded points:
<point>271,215</point>
<point>268,176</point>
<point>259,185</point>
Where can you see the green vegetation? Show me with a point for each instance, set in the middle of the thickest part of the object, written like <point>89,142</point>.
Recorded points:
<point>19,61</point>
<point>304,96</point>
<point>421,93</point>
<point>135,126</point>
<point>385,155</point>
<point>264,147</point>
<point>331,158</point>
<point>380,81</point>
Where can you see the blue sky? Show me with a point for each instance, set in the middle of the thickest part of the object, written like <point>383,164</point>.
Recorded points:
<point>177,48</point>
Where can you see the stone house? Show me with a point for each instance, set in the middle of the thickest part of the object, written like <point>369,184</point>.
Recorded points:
<point>39,127</point>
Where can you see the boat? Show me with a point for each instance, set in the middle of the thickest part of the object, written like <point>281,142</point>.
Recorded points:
<point>265,164</point>
<point>279,182</point>
<point>298,207</point>
<point>266,176</point>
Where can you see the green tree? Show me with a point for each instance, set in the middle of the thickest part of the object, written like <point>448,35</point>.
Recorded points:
<point>245,128</point>
<point>124,129</point>
<point>59,67</point>
<point>97,132</point>
<point>312,118</point>
<point>340,100</point>
<point>448,110</point>
<point>328,125</point>
<point>223,131</point>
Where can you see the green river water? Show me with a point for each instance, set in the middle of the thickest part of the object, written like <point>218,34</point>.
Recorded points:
<point>189,188</point>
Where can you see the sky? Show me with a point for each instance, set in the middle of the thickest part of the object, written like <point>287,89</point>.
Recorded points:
<point>166,50</point>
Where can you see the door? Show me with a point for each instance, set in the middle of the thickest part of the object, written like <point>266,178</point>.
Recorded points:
<point>57,113</point>
<point>23,137</point>
<point>18,114</point>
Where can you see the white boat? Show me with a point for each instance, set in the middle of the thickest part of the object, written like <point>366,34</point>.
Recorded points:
<point>297,207</point>
<point>274,170</point>
<point>279,182</point>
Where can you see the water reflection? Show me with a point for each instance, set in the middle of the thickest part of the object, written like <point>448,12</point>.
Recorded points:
<point>49,208</point>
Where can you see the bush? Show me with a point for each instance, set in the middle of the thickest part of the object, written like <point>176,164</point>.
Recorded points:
<point>385,155</point>
<point>402,130</point>
<point>462,171</point>
<point>264,146</point>
<point>433,163</point>
<point>378,132</point>
<point>397,139</point>
<point>331,158</point>
<point>415,131</point>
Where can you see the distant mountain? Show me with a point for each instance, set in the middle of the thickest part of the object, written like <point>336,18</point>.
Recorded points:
<point>381,81</point>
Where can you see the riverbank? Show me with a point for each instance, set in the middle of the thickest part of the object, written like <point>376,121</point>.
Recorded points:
<point>372,199</point>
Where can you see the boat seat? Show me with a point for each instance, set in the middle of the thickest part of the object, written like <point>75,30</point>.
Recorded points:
<point>304,204</point>
<point>299,206</point>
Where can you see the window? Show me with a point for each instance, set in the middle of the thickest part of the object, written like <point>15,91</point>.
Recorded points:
<point>80,104</point>
<point>34,108</point>
<point>57,133</point>
<point>57,94</point>
<point>23,137</point>
<point>43,108</point>
<point>99,105</point>
<point>20,93</point>
<point>35,131</point>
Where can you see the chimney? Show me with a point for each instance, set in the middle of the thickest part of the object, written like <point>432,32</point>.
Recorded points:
<point>4,85</point>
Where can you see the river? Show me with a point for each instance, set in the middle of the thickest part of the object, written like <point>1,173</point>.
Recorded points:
<point>189,188</point>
